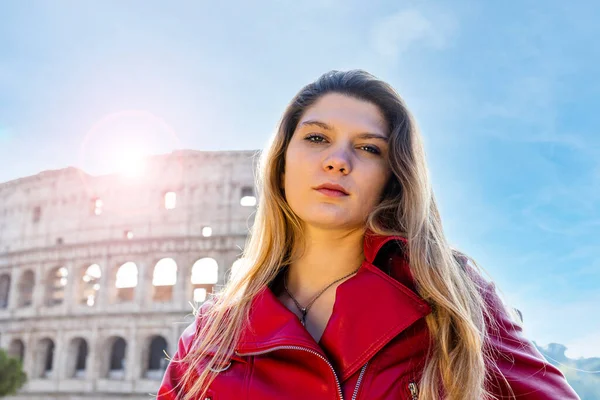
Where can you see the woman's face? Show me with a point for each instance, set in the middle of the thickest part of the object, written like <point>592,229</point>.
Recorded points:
<point>339,140</point>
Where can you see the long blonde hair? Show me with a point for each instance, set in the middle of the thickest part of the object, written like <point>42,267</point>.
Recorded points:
<point>458,359</point>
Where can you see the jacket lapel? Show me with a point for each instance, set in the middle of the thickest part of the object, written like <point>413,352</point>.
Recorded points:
<point>370,309</point>
<point>271,325</point>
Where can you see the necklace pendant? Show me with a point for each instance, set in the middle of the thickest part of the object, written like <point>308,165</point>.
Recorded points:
<point>304,310</point>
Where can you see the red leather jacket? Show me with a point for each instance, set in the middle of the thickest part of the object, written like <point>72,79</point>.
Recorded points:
<point>373,346</point>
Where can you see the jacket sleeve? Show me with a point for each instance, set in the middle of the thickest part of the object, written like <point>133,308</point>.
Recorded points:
<point>526,371</point>
<point>170,386</point>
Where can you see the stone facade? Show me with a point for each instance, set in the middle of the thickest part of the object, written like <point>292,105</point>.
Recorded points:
<point>98,273</point>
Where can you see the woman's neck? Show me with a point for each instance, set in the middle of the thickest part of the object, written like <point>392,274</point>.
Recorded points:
<point>328,256</point>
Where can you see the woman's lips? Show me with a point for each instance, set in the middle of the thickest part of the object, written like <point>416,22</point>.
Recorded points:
<point>331,192</point>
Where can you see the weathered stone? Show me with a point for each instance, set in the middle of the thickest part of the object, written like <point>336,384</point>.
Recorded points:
<point>50,221</point>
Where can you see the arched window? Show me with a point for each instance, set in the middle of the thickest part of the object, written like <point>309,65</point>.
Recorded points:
<point>55,286</point>
<point>17,349</point>
<point>163,279</point>
<point>127,280</point>
<point>49,360</point>
<point>76,358</point>
<point>170,200</point>
<point>157,362</point>
<point>90,285</point>
<point>248,199</point>
<point>116,367</point>
<point>82,351</point>
<point>44,360</point>
<point>205,274</point>
<point>4,290</point>
<point>26,285</point>
<point>96,206</point>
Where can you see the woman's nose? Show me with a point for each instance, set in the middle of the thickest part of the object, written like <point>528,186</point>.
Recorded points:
<point>338,160</point>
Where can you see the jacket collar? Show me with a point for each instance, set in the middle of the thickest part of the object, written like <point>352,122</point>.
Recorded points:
<point>373,243</point>
<point>370,309</point>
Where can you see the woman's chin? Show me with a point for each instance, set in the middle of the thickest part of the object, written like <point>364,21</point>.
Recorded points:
<point>325,221</point>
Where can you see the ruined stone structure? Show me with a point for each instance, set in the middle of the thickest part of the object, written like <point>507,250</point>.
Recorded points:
<point>97,273</point>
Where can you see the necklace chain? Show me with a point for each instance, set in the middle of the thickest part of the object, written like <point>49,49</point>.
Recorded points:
<point>304,310</point>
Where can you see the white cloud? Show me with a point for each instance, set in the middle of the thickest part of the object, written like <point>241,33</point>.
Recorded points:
<point>396,33</point>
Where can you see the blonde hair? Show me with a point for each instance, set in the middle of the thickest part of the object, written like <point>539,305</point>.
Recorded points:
<point>458,359</point>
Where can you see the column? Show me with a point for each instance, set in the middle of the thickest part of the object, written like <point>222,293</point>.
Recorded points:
<point>131,353</point>
<point>39,287</point>
<point>173,340</point>
<point>93,362</point>
<point>71,298</point>
<point>29,358</point>
<point>182,286</point>
<point>59,357</point>
<point>140,360</point>
<point>103,298</point>
<point>13,294</point>
<point>141,289</point>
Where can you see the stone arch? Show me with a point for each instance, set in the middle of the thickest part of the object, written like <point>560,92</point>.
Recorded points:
<point>170,200</point>
<point>164,278</point>
<point>205,274</point>
<point>89,285</point>
<point>154,360</point>
<point>116,358</point>
<point>44,359</point>
<point>16,349</point>
<point>77,357</point>
<point>26,286</point>
<point>55,283</point>
<point>126,282</point>
<point>4,290</point>
<point>247,198</point>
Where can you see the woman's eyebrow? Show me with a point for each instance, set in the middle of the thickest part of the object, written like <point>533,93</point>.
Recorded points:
<point>327,127</point>
<point>316,123</point>
<point>368,135</point>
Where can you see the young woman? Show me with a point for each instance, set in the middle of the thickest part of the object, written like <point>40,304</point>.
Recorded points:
<point>351,290</point>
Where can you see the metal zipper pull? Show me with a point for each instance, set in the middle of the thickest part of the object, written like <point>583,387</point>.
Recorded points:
<point>414,391</point>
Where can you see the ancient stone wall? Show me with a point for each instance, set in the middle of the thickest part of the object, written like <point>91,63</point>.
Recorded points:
<point>97,273</point>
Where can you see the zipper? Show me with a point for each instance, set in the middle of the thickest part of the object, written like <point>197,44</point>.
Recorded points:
<point>358,382</point>
<point>337,381</point>
<point>414,391</point>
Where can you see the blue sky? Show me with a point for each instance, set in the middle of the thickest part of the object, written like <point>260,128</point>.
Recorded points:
<point>506,94</point>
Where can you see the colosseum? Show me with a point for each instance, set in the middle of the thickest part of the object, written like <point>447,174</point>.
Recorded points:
<point>98,274</point>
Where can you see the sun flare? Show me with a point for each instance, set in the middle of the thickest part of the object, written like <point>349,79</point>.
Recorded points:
<point>130,164</point>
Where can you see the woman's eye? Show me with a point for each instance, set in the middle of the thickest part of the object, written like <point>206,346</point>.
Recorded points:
<point>372,149</point>
<point>310,137</point>
<point>319,139</point>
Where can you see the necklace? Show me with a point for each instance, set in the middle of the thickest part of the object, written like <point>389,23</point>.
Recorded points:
<point>304,310</point>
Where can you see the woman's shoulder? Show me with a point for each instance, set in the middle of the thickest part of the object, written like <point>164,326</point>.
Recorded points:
<point>193,329</point>
<point>496,307</point>
<point>475,274</point>
<point>516,366</point>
